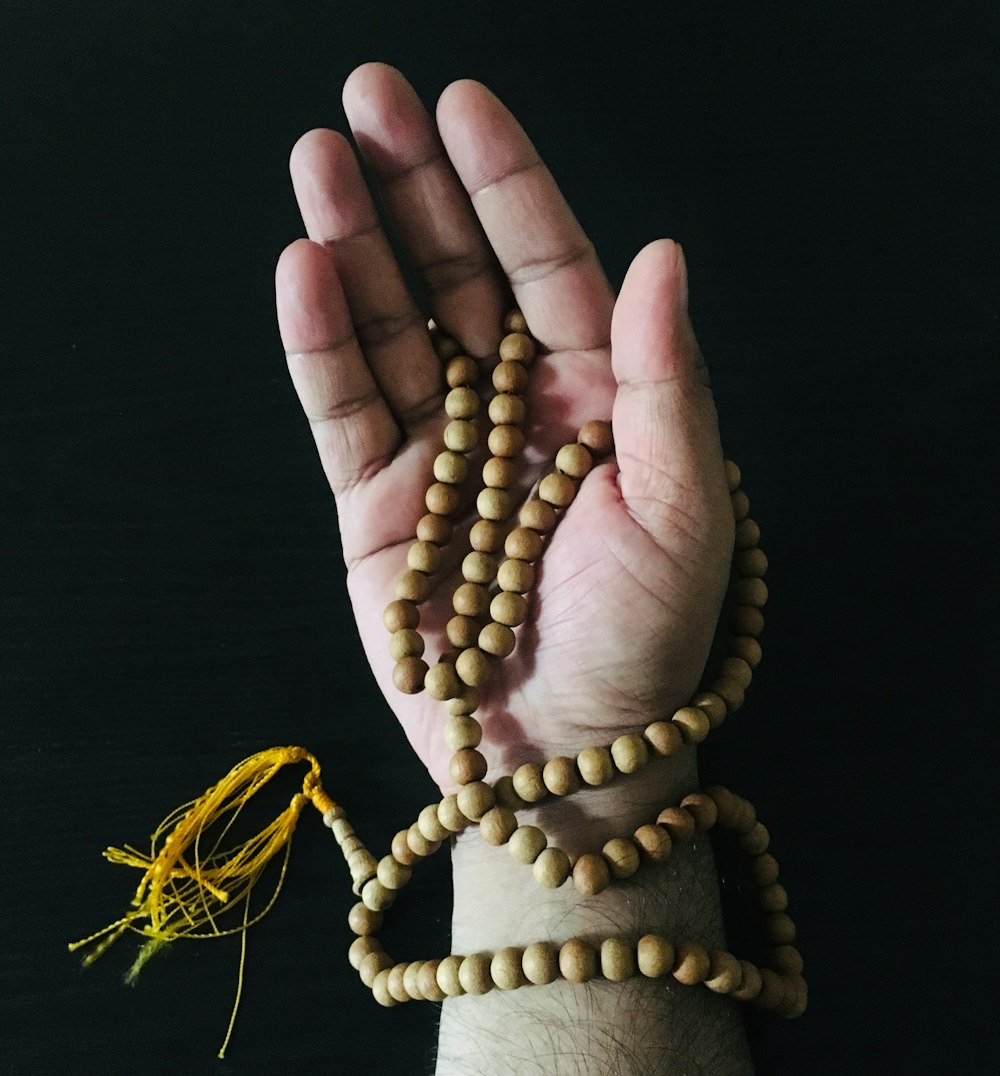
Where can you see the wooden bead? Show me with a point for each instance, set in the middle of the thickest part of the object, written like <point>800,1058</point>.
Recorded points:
<point>471,599</point>
<point>474,974</point>
<point>461,370</point>
<point>413,586</point>
<point>560,776</point>
<point>462,631</point>
<point>596,435</point>
<point>450,467</point>
<point>442,499</point>
<point>380,989</point>
<point>713,705</point>
<point>730,692</point>
<point>372,964</point>
<point>702,809</point>
<point>551,868</point>
<point>772,990</point>
<point>540,963</point>
<point>466,703</point>
<point>523,543</point>
<point>724,972</point>
<point>747,534</point>
<point>764,869</point>
<point>678,822</point>
<point>746,620</point>
<point>363,920</point>
<point>773,898</point>
<point>528,783</point>
<point>499,473</point>
<point>427,981</point>
<point>654,956</point>
<point>654,841</point>
<point>747,648</point>
<point>450,815</point>
<point>506,441</point>
<point>421,846</point>
<point>395,983</point>
<point>475,799</point>
<point>557,490</point>
<point>517,347</point>
<point>741,504</point>
<point>486,536</point>
<point>376,896</point>
<point>498,640</point>
<point>408,675</point>
<point>401,851</point>
<point>506,409</point>
<point>693,723</point>
<point>406,643</point>
<point>434,528</point>
<point>510,377</point>
<point>393,874</point>
<point>591,874</point>
<point>497,825</point>
<point>447,977</point>
<point>505,969</point>
<point>411,980</point>
<point>629,753</point>
<point>400,615</point>
<point>745,818</point>
<point>509,608</point>
<point>479,568</point>
<point>430,825</point>
<point>622,856</point>
<point>617,959</point>
<point>503,789</point>
<point>752,592</point>
<point>494,503</point>
<point>460,435</point>
<point>473,666</point>
<point>462,731</point>
<point>787,959</point>
<point>663,738</point>
<point>537,515</point>
<point>733,476</point>
<point>526,844</point>
<point>796,997</point>
<point>780,928</point>
<point>574,460</point>
<point>442,682</point>
<point>733,668</point>
<point>756,841</point>
<point>467,765</point>
<point>691,963</point>
<point>595,765</point>
<point>751,562</point>
<point>516,575</point>
<point>578,961</point>
<point>461,402</point>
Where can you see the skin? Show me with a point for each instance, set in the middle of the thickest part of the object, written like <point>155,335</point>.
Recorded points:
<point>631,583</point>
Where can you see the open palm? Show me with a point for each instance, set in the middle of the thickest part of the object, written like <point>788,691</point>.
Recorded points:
<point>630,584</point>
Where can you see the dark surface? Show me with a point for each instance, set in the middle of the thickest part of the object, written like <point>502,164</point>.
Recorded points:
<point>174,595</point>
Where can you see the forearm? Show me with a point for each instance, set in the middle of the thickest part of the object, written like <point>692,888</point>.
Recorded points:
<point>642,1025</point>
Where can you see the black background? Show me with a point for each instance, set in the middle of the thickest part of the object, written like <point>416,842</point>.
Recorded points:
<point>174,595</point>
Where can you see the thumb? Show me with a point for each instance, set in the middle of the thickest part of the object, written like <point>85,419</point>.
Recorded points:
<point>671,473</point>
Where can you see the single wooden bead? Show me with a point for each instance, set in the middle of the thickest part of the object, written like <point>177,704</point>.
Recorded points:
<point>494,503</point>
<point>461,402</point>
<point>691,963</point>
<point>516,575</point>
<point>506,441</point>
<point>445,346</point>
<point>557,490</point>
<point>486,536</point>
<point>434,528</point>
<point>460,371</point>
<point>462,631</point>
<point>702,809</point>
<point>756,841</point>
<point>441,681</point>
<point>730,692</point>
<point>591,874</point>
<point>466,703</point>
<point>654,956</point>
<point>746,816</point>
<point>523,543</point>
<point>393,874</point>
<point>787,959</point>
<point>395,983</point>
<point>462,731</point>
<point>574,460</point>
<point>540,963</point>
<point>764,869</point>
<point>617,959</point>
<point>505,968</point>
<point>733,476</point>
<point>526,844</point>
<point>447,977</point>
<point>460,435</point>
<point>406,643</point>
<point>747,534</point>
<point>528,782</point>
<point>471,599</point>
<point>724,972</point>
<point>363,920</point>
<point>654,841</point>
<point>498,640</point>
<point>713,705</point>
<point>629,753</point>
<point>741,504</point>
<point>497,825</point>
<point>400,615</point>
<point>596,435</point>
<point>772,990</point>
<point>733,668</point>
<point>473,666</point>
<point>595,765</point>
<point>376,896</point>
<point>451,467</point>
<point>401,851</point>
<point>780,928</point>
<point>726,803</point>
<point>442,499</point>
<point>578,961</point>
<point>479,568</point>
<point>514,322</point>
<point>678,822</point>
<point>747,648</point>
<point>475,799</point>
<point>752,592</point>
<point>773,898</point>
<point>517,347</point>
<point>503,789</point>
<point>746,620</point>
<point>411,980</point>
<point>372,964</point>
<point>751,562</point>
<point>408,675</point>
<point>421,846</point>
<point>537,515</point>
<point>427,981</point>
<point>413,586</point>
<point>560,776</point>
<point>510,377</point>
<point>796,997</point>
<point>467,765</point>
<point>693,723</point>
<point>430,825</point>
<point>509,608</point>
<point>663,738</point>
<point>380,989</point>
<point>450,815</point>
<point>474,974</point>
<point>551,868</point>
<point>506,409</point>
<point>499,473</point>
<point>622,856</point>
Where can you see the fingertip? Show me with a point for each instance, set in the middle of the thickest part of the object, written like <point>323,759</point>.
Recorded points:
<point>308,297</point>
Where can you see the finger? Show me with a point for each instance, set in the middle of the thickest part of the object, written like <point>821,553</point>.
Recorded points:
<point>338,213</point>
<point>548,260</point>
<point>428,205</point>
<point>666,434</point>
